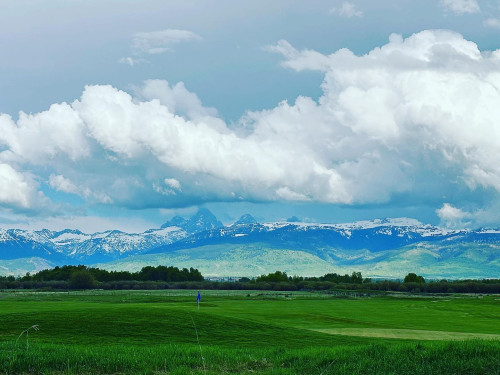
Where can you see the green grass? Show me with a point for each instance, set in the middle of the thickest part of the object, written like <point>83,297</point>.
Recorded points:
<point>130,332</point>
<point>470,357</point>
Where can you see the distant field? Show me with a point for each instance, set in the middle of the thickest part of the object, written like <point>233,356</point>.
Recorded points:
<point>247,332</point>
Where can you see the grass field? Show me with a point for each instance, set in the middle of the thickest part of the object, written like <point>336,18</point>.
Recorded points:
<point>160,332</point>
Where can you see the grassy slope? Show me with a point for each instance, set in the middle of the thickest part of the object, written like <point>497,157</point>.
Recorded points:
<point>436,260</point>
<point>135,332</point>
<point>231,260</point>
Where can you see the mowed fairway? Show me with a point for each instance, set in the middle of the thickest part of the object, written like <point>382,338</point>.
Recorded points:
<point>247,332</point>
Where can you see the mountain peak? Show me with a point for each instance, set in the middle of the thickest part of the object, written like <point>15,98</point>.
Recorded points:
<point>202,220</point>
<point>246,219</point>
<point>176,221</point>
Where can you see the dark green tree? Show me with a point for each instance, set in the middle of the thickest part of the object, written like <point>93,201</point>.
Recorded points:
<point>275,277</point>
<point>356,278</point>
<point>414,278</point>
<point>82,279</point>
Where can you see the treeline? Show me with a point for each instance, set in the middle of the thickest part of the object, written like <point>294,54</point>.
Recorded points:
<point>149,273</point>
<point>83,277</point>
<point>355,282</point>
<point>164,277</point>
<point>278,276</point>
<point>486,286</point>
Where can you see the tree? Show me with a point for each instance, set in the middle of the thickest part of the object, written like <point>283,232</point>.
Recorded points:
<point>414,278</point>
<point>81,280</point>
<point>356,278</point>
<point>275,277</point>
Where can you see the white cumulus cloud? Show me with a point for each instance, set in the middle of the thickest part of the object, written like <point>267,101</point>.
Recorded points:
<point>347,9</point>
<point>16,189</point>
<point>451,216</point>
<point>170,186</point>
<point>38,137</point>
<point>173,183</point>
<point>416,117</point>
<point>431,97</point>
<point>307,59</point>
<point>176,98</point>
<point>454,217</point>
<point>461,6</point>
<point>289,195</point>
<point>492,22</point>
<point>63,184</point>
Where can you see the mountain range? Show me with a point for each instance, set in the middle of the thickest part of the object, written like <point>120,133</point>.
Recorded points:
<point>386,248</point>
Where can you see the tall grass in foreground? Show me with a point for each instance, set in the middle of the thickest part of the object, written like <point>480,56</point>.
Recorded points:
<point>467,357</point>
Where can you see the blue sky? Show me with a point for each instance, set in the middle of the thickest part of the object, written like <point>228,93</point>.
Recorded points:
<point>121,114</point>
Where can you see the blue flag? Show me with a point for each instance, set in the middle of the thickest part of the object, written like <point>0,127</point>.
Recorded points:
<point>198,297</point>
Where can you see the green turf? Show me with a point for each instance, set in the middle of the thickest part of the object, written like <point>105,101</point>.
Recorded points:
<point>245,332</point>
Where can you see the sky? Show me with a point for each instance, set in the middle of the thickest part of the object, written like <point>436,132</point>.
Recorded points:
<point>120,114</point>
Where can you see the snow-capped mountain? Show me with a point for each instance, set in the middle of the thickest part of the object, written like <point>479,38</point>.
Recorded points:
<point>201,221</point>
<point>16,243</point>
<point>385,247</point>
<point>374,235</point>
<point>70,246</point>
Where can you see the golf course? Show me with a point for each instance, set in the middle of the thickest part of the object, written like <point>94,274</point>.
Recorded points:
<point>246,332</point>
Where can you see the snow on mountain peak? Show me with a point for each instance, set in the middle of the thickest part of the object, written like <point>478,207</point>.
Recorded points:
<point>245,219</point>
<point>400,225</point>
